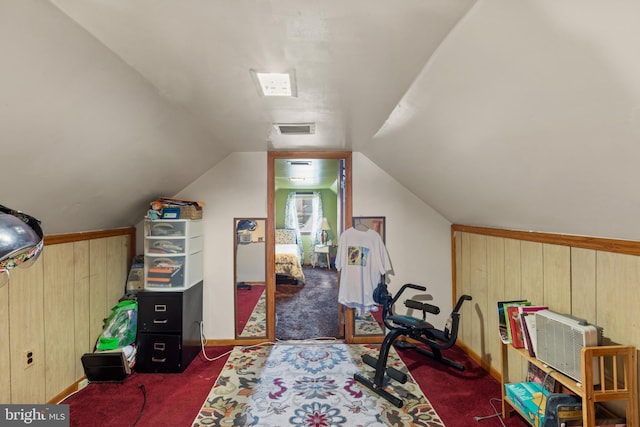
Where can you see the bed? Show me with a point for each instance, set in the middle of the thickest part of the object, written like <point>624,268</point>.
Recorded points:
<point>288,257</point>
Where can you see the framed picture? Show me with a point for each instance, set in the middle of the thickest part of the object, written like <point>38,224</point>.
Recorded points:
<point>376,223</point>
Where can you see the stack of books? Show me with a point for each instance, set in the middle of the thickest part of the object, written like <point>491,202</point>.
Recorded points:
<point>517,323</point>
<point>165,276</point>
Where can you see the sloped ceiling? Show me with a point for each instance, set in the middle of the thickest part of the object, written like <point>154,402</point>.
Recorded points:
<point>527,117</point>
<point>498,113</point>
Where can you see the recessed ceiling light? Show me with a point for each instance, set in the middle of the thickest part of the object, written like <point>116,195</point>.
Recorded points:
<point>297,178</point>
<point>275,84</point>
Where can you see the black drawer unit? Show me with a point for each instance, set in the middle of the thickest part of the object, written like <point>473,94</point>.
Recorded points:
<point>168,329</point>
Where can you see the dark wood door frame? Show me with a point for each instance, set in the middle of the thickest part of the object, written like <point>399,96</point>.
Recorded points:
<point>271,221</point>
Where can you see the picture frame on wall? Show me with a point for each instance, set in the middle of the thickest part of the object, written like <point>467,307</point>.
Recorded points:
<point>376,223</point>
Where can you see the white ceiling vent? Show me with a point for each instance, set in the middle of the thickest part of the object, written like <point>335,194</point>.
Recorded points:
<point>295,128</point>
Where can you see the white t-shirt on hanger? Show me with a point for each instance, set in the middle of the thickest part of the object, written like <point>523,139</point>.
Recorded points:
<point>362,259</point>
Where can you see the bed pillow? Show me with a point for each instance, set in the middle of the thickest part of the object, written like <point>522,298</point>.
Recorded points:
<point>285,237</point>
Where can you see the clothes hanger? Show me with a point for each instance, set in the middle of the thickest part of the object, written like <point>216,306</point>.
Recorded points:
<point>360,226</point>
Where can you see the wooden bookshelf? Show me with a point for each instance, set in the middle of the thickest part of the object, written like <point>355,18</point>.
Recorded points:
<point>617,381</point>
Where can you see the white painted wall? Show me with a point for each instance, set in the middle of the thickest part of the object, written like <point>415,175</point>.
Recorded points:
<point>418,238</point>
<point>235,187</point>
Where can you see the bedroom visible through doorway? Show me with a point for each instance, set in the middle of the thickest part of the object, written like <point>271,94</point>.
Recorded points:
<point>308,202</point>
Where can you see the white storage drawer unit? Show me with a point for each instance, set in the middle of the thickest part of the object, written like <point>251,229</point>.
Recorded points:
<point>173,258</point>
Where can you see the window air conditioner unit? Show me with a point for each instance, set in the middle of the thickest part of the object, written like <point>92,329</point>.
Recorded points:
<point>560,339</point>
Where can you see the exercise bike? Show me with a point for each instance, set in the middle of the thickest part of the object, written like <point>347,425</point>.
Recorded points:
<point>411,327</point>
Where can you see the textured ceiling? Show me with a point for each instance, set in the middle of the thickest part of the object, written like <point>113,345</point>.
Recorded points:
<point>353,59</point>
<point>509,114</point>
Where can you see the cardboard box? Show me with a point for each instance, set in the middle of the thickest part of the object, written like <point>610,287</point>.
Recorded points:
<point>530,399</point>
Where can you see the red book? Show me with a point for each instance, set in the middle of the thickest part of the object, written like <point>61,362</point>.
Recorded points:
<point>513,316</point>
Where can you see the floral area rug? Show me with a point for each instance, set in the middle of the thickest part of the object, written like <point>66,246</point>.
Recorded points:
<point>366,324</point>
<point>257,324</point>
<point>309,385</point>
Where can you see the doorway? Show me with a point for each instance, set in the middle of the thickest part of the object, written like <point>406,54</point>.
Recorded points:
<point>294,179</point>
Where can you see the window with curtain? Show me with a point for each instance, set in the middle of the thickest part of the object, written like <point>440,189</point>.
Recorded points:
<point>303,213</point>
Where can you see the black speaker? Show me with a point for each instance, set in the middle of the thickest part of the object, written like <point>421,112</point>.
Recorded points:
<point>105,366</point>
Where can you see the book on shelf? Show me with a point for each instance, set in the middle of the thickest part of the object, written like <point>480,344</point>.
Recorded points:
<point>502,319</point>
<point>158,280</point>
<point>174,280</point>
<point>536,375</point>
<point>164,272</point>
<point>528,320</point>
<point>515,326</point>
<point>528,344</point>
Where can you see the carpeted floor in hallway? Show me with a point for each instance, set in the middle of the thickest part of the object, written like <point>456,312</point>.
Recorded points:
<point>309,310</point>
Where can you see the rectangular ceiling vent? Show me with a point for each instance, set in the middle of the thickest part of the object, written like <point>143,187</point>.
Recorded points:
<point>295,128</point>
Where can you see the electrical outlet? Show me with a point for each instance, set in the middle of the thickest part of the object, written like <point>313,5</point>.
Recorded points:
<point>28,358</point>
<point>82,383</point>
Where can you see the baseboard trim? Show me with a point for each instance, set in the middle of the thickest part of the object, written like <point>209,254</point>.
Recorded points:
<point>71,390</point>
<point>476,358</point>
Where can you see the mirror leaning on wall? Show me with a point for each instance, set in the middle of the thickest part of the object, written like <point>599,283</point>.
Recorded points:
<point>250,277</point>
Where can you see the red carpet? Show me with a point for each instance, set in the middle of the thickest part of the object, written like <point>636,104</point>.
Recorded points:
<point>457,396</point>
<point>171,399</point>
<point>246,300</point>
<point>174,399</point>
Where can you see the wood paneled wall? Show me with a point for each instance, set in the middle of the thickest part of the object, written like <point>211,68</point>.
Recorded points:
<point>594,279</point>
<point>56,309</point>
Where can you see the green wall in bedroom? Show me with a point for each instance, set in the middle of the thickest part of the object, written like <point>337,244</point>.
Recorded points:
<point>329,207</point>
